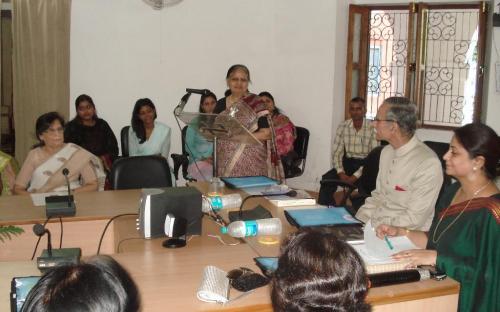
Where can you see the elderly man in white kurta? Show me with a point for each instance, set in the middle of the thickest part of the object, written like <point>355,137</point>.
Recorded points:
<point>410,174</point>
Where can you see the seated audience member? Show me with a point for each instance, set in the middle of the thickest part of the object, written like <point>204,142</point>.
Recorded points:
<point>410,174</point>
<point>42,169</point>
<point>8,170</point>
<point>100,284</point>
<point>200,150</point>
<point>91,132</point>
<point>237,159</point>
<point>146,135</point>
<point>318,272</point>
<point>284,130</point>
<point>464,235</point>
<point>354,139</point>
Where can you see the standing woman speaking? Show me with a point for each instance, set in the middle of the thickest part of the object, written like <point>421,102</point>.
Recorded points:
<point>239,159</point>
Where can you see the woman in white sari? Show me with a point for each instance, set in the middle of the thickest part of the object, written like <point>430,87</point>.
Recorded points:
<point>43,167</point>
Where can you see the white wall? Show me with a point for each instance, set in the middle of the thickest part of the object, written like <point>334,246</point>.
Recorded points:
<point>124,50</point>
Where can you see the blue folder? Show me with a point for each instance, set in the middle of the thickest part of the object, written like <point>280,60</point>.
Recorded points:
<point>321,217</point>
<point>246,182</point>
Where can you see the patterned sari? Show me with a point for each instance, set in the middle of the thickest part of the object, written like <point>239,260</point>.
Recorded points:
<point>285,133</point>
<point>468,248</point>
<point>239,159</point>
<point>48,176</point>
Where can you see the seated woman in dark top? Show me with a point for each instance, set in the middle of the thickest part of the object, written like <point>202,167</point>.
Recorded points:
<point>91,132</point>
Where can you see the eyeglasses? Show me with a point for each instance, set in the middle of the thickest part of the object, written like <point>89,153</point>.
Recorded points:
<point>388,120</point>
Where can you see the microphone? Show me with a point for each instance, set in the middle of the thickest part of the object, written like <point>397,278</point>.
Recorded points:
<point>198,91</point>
<point>58,206</point>
<point>40,230</point>
<point>398,277</point>
<point>49,259</point>
<point>180,107</point>
<point>239,215</point>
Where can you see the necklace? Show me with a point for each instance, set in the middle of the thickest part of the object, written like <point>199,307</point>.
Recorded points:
<point>434,239</point>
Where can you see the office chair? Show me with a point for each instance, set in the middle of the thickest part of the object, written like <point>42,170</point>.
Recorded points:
<point>365,185</point>
<point>296,167</point>
<point>182,160</point>
<point>140,172</point>
<point>124,140</point>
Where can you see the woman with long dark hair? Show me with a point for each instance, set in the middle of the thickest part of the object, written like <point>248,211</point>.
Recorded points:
<point>146,135</point>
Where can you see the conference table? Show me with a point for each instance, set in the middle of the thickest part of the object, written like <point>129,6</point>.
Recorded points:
<point>168,279</point>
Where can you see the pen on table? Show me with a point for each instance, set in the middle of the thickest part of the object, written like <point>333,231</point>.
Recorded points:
<point>388,242</point>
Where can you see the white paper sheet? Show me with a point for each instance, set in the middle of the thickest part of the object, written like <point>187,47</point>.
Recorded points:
<point>378,248</point>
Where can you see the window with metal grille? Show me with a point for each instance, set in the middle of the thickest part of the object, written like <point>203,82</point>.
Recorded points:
<point>432,54</point>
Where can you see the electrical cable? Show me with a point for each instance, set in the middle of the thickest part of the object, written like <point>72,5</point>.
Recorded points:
<point>61,237</point>
<point>107,225</point>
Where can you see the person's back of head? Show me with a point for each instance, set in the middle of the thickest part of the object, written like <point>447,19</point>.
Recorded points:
<point>318,272</point>
<point>404,112</point>
<point>101,284</point>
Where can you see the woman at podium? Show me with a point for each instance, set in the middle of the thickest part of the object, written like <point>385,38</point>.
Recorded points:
<point>200,149</point>
<point>236,158</point>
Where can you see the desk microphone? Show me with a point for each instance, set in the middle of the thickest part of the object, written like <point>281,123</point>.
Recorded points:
<point>61,206</point>
<point>54,257</point>
<point>251,215</point>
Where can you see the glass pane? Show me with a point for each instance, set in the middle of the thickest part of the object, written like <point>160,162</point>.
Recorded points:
<point>450,70</point>
<point>356,38</point>
<point>387,56</point>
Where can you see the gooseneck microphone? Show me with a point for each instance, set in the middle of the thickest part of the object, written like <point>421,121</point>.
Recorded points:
<point>61,205</point>
<point>40,230</point>
<point>198,91</point>
<point>180,107</point>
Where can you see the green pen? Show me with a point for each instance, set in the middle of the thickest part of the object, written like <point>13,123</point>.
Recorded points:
<point>388,242</point>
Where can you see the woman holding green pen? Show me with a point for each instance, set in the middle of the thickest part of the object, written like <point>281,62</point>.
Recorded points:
<point>464,235</point>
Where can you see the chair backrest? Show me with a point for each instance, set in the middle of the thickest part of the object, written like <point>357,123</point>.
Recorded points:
<point>140,172</point>
<point>300,148</point>
<point>440,149</point>
<point>301,142</point>
<point>124,140</point>
<point>368,179</point>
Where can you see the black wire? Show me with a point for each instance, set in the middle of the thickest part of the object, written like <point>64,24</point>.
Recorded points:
<point>39,238</point>
<point>124,240</point>
<point>106,227</point>
<point>60,239</point>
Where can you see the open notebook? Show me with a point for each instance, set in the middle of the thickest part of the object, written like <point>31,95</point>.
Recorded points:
<point>376,253</point>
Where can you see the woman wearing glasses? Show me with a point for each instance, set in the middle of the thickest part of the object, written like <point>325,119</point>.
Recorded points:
<point>42,170</point>
<point>237,159</point>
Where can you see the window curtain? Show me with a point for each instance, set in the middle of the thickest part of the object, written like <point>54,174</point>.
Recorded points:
<point>41,34</point>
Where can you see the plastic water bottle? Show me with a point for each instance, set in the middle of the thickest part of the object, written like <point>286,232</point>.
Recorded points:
<point>221,202</point>
<point>271,226</point>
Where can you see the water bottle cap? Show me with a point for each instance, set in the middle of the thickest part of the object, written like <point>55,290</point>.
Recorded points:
<point>223,230</point>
